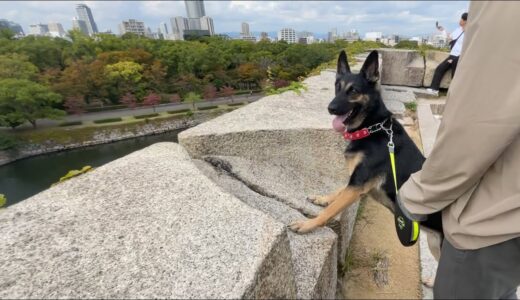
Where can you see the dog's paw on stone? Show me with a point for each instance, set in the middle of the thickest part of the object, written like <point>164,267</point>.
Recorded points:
<point>302,226</point>
<point>318,200</point>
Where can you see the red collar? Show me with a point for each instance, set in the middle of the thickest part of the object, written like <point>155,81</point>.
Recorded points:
<point>356,135</point>
<point>363,133</point>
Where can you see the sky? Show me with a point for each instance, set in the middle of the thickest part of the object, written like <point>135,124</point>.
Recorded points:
<point>408,18</point>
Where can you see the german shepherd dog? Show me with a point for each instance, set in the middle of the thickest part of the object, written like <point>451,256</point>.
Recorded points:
<point>359,108</point>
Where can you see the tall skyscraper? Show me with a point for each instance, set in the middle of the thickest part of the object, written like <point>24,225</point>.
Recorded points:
<point>206,23</point>
<point>288,35</point>
<point>56,30</point>
<point>194,24</point>
<point>195,8</point>
<point>245,30</point>
<point>85,14</point>
<point>163,29</point>
<point>132,26</point>
<point>80,25</point>
<point>179,25</point>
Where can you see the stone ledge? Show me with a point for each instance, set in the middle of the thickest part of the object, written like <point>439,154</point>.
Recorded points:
<point>138,228</point>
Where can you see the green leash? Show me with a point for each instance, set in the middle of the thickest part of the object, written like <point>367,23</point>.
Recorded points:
<point>407,228</point>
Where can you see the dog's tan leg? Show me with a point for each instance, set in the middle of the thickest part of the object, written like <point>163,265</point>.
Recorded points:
<point>343,199</point>
<point>325,199</point>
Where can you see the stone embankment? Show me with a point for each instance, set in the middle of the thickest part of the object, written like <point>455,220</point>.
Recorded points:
<point>102,136</point>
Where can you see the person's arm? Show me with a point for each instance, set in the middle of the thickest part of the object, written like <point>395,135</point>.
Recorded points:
<point>482,114</point>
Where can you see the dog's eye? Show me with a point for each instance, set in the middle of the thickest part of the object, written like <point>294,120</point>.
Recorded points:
<point>353,90</point>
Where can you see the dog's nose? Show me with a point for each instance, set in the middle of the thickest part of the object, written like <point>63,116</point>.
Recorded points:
<point>333,109</point>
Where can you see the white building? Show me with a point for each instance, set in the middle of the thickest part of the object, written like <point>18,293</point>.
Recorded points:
<point>163,29</point>
<point>132,26</point>
<point>195,9</point>
<point>245,30</point>
<point>38,29</point>
<point>85,14</point>
<point>373,36</point>
<point>56,30</point>
<point>80,25</point>
<point>288,35</point>
<point>179,25</point>
<point>206,23</point>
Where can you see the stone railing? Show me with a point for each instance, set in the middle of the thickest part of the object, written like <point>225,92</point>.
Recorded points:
<point>204,219</point>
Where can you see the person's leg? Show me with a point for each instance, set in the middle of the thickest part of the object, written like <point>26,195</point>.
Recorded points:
<point>439,73</point>
<point>488,273</point>
<point>454,65</point>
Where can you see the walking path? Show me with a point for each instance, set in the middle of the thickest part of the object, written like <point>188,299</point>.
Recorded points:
<point>144,110</point>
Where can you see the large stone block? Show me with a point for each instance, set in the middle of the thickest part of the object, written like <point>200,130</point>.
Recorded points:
<point>402,67</point>
<point>314,255</point>
<point>287,146</point>
<point>433,59</point>
<point>148,225</point>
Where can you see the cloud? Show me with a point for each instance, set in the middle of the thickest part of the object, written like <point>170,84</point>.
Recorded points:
<point>404,17</point>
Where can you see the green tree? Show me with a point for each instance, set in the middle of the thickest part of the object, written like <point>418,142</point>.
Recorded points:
<point>23,100</point>
<point>192,97</point>
<point>17,66</point>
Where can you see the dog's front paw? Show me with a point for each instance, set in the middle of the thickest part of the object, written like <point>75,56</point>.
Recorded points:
<point>318,200</point>
<point>303,226</point>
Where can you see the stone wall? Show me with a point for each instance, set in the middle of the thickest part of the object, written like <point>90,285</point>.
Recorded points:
<point>411,68</point>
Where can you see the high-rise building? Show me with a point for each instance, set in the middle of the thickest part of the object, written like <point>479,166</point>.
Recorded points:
<point>195,9</point>
<point>80,25</point>
<point>14,27</point>
<point>332,35</point>
<point>38,29</point>
<point>194,24</point>
<point>288,35</point>
<point>179,25</point>
<point>56,30</point>
<point>206,23</point>
<point>132,26</point>
<point>245,30</point>
<point>85,14</point>
<point>163,29</point>
<point>264,36</point>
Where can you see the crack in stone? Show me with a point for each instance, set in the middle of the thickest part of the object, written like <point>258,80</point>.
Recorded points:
<point>225,167</point>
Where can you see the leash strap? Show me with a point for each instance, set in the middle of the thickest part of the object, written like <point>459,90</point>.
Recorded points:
<point>407,228</point>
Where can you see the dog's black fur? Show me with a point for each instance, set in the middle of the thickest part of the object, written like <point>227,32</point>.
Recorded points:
<point>359,94</point>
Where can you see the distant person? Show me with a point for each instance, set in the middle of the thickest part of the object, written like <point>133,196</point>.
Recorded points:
<point>472,174</point>
<point>456,39</point>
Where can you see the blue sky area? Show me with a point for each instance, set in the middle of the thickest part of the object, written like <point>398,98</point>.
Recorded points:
<point>409,18</point>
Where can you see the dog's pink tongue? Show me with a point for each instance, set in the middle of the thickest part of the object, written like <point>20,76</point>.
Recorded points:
<point>337,123</point>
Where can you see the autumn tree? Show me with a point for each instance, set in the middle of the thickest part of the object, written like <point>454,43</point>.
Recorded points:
<point>210,92</point>
<point>75,105</point>
<point>152,99</point>
<point>175,98</point>
<point>228,91</point>
<point>129,100</point>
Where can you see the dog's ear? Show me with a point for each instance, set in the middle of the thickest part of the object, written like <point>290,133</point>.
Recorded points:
<point>343,67</point>
<point>370,69</point>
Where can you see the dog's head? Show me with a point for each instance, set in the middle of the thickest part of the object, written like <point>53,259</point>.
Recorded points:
<point>356,94</point>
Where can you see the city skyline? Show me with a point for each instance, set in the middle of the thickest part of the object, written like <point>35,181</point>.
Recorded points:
<point>406,18</point>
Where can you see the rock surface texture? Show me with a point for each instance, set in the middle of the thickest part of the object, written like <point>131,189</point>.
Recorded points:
<point>402,67</point>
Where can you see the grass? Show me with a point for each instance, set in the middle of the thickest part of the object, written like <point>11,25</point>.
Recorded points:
<point>295,86</point>
<point>109,120</point>
<point>146,116</point>
<point>171,112</point>
<point>412,106</point>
